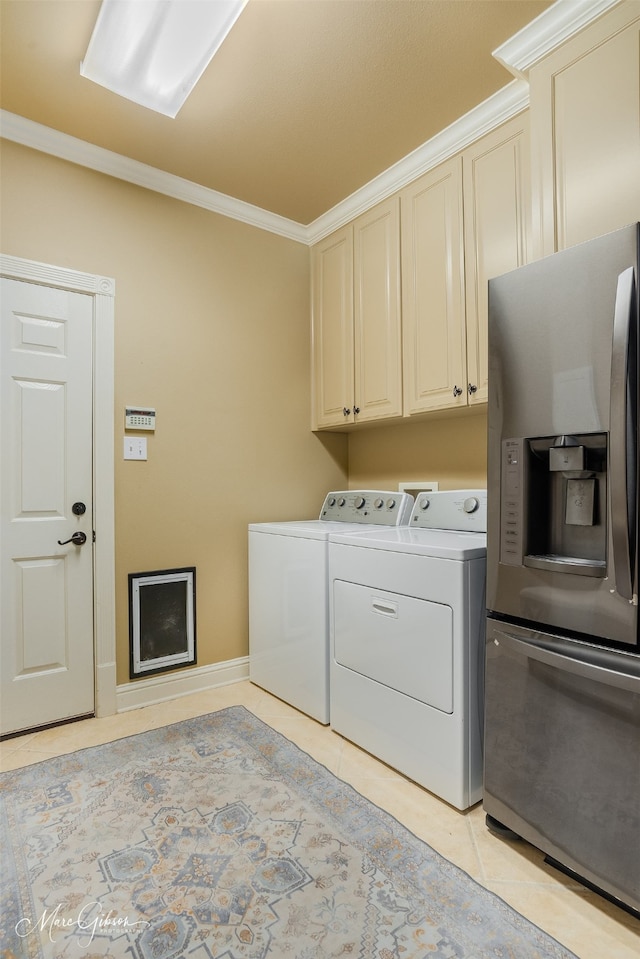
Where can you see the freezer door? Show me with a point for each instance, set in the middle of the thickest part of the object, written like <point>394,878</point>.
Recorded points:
<point>562,767</point>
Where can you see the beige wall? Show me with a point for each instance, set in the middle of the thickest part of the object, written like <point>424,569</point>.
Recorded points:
<point>212,329</point>
<point>451,450</point>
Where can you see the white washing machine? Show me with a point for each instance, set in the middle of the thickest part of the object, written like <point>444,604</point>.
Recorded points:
<point>407,614</point>
<point>289,594</point>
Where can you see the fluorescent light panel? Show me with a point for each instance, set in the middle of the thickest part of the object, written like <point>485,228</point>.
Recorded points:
<point>154,51</point>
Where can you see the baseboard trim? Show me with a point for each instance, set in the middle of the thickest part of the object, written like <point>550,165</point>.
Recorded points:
<point>105,702</point>
<point>159,689</point>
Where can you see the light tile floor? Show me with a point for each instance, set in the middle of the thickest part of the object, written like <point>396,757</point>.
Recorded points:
<point>584,922</point>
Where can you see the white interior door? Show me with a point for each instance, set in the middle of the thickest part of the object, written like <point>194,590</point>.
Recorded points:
<point>46,589</point>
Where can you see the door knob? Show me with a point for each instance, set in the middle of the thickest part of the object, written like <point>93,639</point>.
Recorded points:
<point>78,509</point>
<point>78,539</point>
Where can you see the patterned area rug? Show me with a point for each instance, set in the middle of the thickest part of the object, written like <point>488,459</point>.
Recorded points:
<point>217,837</point>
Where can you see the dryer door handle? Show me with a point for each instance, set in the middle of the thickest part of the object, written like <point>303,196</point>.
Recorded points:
<point>385,608</point>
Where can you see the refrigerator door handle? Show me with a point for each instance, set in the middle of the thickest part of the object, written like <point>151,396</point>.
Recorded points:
<point>620,457</point>
<point>569,664</point>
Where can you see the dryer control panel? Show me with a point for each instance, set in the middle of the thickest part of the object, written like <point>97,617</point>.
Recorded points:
<point>463,510</point>
<point>368,507</point>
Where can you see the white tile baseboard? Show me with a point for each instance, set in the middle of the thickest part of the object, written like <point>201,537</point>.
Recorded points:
<point>160,688</point>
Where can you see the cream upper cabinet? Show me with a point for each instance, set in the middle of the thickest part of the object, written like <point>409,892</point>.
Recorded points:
<point>462,223</point>
<point>496,180</point>
<point>585,98</point>
<point>377,325</point>
<point>434,348</point>
<point>332,318</point>
<point>356,321</point>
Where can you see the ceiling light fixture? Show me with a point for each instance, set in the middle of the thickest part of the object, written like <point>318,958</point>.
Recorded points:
<point>154,51</point>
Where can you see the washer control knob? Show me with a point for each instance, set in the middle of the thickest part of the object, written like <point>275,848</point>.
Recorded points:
<point>378,503</point>
<point>391,503</point>
<point>471,504</point>
<point>425,503</point>
<point>331,501</point>
<point>341,501</point>
<point>359,502</point>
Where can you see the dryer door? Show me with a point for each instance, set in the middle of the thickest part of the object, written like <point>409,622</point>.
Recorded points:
<point>399,641</point>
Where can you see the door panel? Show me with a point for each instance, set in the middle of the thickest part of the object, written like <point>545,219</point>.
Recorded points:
<point>46,436</point>
<point>41,407</point>
<point>39,585</point>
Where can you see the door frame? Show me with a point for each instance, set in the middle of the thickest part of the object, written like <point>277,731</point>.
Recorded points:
<point>102,290</point>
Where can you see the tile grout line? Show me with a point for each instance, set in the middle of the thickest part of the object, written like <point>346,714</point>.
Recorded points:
<point>476,849</point>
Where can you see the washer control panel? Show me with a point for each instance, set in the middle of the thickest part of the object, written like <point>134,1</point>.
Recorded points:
<point>464,510</point>
<point>368,507</point>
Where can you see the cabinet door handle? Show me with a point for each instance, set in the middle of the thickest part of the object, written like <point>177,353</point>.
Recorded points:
<point>457,390</point>
<point>345,411</point>
<point>356,410</point>
<point>472,389</point>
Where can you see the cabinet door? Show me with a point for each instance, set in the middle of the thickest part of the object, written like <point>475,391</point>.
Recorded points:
<point>434,349</point>
<point>377,327</point>
<point>585,99</point>
<point>333,391</point>
<point>496,223</point>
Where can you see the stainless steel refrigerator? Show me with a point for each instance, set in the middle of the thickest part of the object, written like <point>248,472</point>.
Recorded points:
<point>562,676</point>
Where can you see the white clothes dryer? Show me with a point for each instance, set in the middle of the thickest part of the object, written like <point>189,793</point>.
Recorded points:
<point>407,614</point>
<point>289,594</point>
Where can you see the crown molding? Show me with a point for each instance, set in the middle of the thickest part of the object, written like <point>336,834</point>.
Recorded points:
<point>65,147</point>
<point>557,24</point>
<point>506,103</point>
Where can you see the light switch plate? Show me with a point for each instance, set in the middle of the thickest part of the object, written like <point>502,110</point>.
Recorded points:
<point>135,447</point>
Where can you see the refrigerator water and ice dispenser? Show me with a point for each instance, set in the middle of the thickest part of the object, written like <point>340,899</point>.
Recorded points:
<point>553,513</point>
